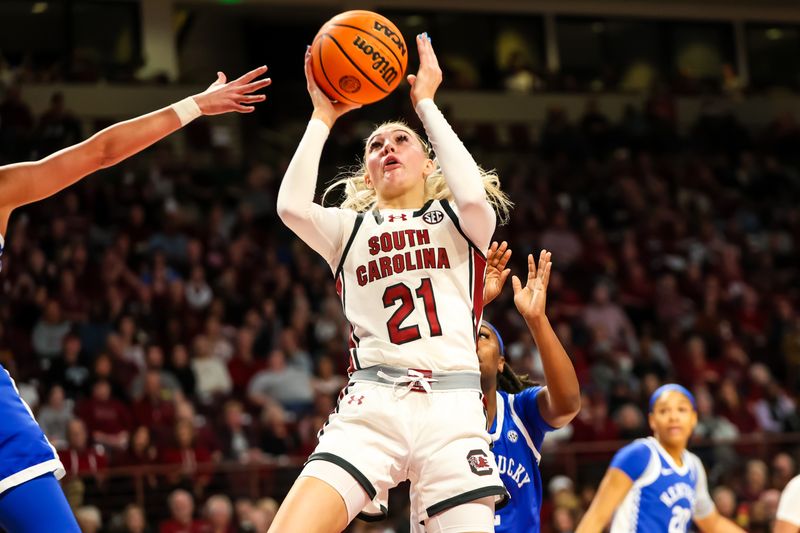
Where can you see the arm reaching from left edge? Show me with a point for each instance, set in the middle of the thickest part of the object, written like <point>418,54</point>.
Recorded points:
<point>23,183</point>
<point>461,172</point>
<point>560,400</point>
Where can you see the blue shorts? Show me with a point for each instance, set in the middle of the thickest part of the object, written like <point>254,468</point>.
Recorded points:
<point>37,506</point>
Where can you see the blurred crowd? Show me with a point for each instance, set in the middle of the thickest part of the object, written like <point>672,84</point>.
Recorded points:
<point>159,313</point>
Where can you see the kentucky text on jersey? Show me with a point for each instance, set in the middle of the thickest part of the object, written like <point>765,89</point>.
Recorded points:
<point>398,241</point>
<point>516,471</point>
<point>677,492</point>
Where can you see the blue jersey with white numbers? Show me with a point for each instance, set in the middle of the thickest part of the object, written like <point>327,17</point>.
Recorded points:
<point>517,433</point>
<point>664,496</point>
<point>25,452</point>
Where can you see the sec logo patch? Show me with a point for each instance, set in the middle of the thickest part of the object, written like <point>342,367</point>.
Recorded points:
<point>433,217</point>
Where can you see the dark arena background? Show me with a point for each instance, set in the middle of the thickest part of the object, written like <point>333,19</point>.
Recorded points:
<point>181,347</point>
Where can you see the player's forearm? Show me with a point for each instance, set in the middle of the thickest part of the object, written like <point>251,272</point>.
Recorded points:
<point>591,523</point>
<point>559,373</point>
<point>718,524</point>
<point>296,193</point>
<point>461,172</point>
<point>23,183</point>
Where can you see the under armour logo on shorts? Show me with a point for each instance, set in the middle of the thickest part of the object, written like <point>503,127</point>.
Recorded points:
<point>401,216</point>
<point>479,463</point>
<point>353,398</point>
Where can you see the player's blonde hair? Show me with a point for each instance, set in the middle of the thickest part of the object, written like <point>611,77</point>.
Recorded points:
<point>359,197</point>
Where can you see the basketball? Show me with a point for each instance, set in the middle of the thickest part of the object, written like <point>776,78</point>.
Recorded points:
<point>358,57</point>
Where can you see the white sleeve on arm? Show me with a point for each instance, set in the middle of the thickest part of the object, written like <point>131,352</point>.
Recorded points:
<point>789,506</point>
<point>703,505</point>
<point>321,228</point>
<point>462,174</point>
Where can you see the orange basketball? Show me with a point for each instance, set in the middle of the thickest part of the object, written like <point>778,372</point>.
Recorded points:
<point>359,57</point>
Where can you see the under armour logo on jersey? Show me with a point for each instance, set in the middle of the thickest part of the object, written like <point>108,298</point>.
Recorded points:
<point>512,435</point>
<point>353,398</point>
<point>433,217</point>
<point>401,216</point>
<point>479,463</point>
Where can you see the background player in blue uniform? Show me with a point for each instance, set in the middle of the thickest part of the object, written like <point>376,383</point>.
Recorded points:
<point>31,499</point>
<point>656,484</point>
<point>519,413</point>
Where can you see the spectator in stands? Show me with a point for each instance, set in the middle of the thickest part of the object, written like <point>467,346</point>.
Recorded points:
<point>191,456</point>
<point>211,375</point>
<point>57,127</point>
<point>219,514</point>
<point>237,438</point>
<point>54,417</point>
<point>89,519</point>
<point>286,384</point>
<point>107,419</point>
<point>48,334</point>
<point>181,508</point>
<point>180,367</point>
<point>133,520</point>
<point>155,406</point>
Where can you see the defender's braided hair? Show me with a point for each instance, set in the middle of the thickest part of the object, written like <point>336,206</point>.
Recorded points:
<point>512,383</point>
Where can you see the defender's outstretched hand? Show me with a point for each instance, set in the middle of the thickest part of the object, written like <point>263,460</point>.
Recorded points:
<point>496,272</point>
<point>429,75</point>
<point>530,299</point>
<point>222,97</point>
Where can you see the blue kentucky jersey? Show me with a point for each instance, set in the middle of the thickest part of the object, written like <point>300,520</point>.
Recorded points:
<point>25,452</point>
<point>517,433</point>
<point>664,496</point>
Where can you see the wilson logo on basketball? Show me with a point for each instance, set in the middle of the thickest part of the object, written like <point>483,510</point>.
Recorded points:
<point>479,463</point>
<point>433,217</point>
<point>379,62</point>
<point>349,84</point>
<point>395,38</point>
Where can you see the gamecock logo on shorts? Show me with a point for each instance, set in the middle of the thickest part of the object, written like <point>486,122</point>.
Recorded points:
<point>433,217</point>
<point>479,463</point>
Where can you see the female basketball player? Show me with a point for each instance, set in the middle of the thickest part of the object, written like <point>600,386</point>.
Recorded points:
<point>519,412</point>
<point>409,270</point>
<point>656,484</point>
<point>30,497</point>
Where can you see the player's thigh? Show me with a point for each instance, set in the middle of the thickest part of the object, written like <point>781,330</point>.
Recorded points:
<point>38,505</point>
<point>472,517</point>
<point>453,464</point>
<point>311,506</point>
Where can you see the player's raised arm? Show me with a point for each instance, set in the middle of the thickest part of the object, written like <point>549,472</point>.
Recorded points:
<point>461,172</point>
<point>612,491</point>
<point>560,400</point>
<point>23,183</point>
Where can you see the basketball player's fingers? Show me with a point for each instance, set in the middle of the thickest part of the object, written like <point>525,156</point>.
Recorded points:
<point>542,262</point>
<point>504,259</point>
<point>516,284</point>
<point>546,278</point>
<point>411,79</point>
<point>504,276</point>
<point>492,250</point>
<point>250,98</point>
<point>243,108</point>
<point>250,76</point>
<point>254,86</point>
<point>221,77</point>
<point>531,269</point>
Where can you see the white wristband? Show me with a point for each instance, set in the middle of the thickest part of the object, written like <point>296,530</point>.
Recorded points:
<point>187,110</point>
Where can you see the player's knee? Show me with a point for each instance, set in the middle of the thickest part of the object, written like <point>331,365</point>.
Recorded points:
<point>472,517</point>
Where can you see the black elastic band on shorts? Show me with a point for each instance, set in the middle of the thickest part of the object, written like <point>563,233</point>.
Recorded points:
<point>366,517</point>
<point>469,496</point>
<point>347,467</point>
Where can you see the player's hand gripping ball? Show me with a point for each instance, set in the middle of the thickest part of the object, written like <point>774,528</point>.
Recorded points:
<point>358,57</point>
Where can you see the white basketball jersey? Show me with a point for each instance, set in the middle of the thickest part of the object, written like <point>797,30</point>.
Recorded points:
<point>411,285</point>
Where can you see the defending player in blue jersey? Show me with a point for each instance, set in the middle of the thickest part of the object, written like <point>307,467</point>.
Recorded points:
<point>656,484</point>
<point>31,499</point>
<point>519,413</point>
